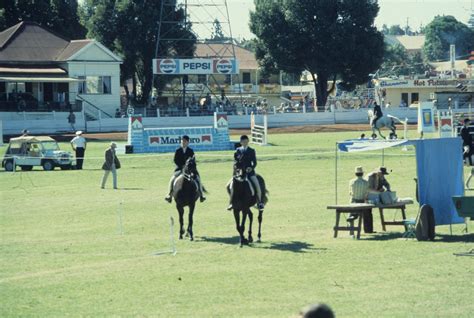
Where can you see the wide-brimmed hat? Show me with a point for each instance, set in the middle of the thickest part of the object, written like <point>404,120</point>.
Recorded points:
<point>383,170</point>
<point>79,132</point>
<point>113,145</point>
<point>359,169</point>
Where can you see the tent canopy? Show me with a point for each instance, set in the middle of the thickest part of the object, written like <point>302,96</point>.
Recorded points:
<point>439,170</point>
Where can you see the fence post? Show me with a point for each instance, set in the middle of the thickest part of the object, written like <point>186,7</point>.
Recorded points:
<point>274,110</point>
<point>54,115</point>
<point>304,108</point>
<point>187,111</point>
<point>158,113</point>
<point>246,111</point>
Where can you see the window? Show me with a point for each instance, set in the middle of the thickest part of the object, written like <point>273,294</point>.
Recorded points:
<point>95,85</point>
<point>246,78</point>
<point>415,97</point>
<point>405,98</point>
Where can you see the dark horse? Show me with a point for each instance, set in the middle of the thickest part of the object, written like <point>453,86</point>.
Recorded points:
<point>242,201</point>
<point>186,193</point>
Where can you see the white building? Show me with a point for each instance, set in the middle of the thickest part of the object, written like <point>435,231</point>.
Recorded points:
<point>43,71</point>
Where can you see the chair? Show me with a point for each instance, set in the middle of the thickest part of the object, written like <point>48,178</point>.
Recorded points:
<point>410,226</point>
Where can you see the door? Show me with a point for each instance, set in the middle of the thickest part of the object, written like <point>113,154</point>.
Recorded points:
<point>48,92</point>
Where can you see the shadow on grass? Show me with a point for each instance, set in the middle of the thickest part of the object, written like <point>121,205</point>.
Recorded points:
<point>294,246</point>
<point>455,238</point>
<point>131,189</point>
<point>382,236</point>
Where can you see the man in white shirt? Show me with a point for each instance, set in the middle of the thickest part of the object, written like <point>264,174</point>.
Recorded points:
<point>79,145</point>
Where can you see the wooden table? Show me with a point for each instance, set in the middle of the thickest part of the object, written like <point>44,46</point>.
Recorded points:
<point>360,208</point>
<point>356,208</point>
<point>395,206</point>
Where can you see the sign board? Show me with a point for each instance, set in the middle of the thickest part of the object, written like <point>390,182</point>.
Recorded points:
<point>445,124</point>
<point>167,140</point>
<point>195,66</point>
<point>220,121</point>
<point>136,123</point>
<point>426,117</point>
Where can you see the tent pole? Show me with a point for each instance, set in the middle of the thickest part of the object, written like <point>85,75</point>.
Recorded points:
<point>335,181</point>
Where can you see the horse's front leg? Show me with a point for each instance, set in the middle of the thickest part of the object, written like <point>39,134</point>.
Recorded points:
<point>181,221</point>
<point>237,225</point>
<point>190,222</point>
<point>250,225</point>
<point>243,240</point>
<point>260,219</point>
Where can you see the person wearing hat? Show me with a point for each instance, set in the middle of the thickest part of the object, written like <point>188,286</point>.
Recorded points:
<point>248,158</point>
<point>466,141</point>
<point>79,145</point>
<point>181,155</point>
<point>359,191</point>
<point>111,164</point>
<point>377,180</point>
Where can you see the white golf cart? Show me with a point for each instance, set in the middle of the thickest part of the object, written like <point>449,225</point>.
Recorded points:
<point>27,152</point>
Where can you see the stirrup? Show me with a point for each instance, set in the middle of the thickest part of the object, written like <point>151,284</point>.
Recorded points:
<point>230,207</point>
<point>202,198</point>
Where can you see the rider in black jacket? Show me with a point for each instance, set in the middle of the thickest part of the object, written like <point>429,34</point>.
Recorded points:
<point>181,155</point>
<point>377,113</point>
<point>247,157</point>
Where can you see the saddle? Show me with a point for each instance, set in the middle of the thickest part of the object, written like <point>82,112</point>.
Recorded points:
<point>251,186</point>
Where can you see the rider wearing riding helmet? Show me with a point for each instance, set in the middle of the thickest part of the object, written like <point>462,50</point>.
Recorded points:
<point>181,155</point>
<point>248,159</point>
<point>377,113</point>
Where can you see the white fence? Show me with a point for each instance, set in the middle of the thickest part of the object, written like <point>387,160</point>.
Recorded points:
<point>59,124</point>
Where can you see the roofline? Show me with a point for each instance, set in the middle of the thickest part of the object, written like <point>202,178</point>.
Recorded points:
<point>101,46</point>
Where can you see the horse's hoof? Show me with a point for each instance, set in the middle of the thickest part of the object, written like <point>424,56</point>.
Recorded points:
<point>180,237</point>
<point>250,239</point>
<point>259,241</point>
<point>244,242</point>
<point>191,238</point>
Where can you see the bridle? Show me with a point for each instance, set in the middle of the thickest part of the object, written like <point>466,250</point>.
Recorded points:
<point>189,170</point>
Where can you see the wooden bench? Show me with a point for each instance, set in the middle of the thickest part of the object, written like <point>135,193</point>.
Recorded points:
<point>395,206</point>
<point>356,208</point>
<point>360,208</point>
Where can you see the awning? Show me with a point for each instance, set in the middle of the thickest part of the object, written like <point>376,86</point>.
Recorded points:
<point>41,79</point>
<point>359,145</point>
<point>21,70</point>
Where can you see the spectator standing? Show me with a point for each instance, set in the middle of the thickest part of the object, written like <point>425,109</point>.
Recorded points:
<point>79,145</point>
<point>71,119</point>
<point>111,164</point>
<point>466,141</point>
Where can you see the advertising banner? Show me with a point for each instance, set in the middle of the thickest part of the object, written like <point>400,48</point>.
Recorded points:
<point>167,140</point>
<point>195,66</point>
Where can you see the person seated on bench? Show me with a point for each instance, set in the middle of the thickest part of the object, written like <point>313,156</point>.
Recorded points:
<point>359,190</point>
<point>377,180</point>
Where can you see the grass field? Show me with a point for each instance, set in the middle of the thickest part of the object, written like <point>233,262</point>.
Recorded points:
<point>62,254</point>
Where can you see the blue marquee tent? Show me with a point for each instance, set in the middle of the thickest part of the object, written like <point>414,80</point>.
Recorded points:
<point>439,169</point>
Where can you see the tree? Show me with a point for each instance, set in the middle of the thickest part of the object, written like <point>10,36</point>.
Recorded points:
<point>396,30</point>
<point>332,39</point>
<point>444,31</point>
<point>60,16</point>
<point>217,33</point>
<point>130,28</point>
<point>398,62</point>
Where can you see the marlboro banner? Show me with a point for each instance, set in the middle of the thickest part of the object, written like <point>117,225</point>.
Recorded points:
<point>167,140</point>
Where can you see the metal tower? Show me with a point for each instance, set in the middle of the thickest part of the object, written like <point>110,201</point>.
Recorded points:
<point>209,23</point>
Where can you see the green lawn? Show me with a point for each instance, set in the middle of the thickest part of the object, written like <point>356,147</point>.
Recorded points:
<point>61,252</point>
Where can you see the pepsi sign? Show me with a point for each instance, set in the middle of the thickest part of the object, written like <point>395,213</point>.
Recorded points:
<point>224,66</point>
<point>195,66</point>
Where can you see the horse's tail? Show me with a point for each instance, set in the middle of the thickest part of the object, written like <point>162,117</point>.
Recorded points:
<point>404,122</point>
<point>263,187</point>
